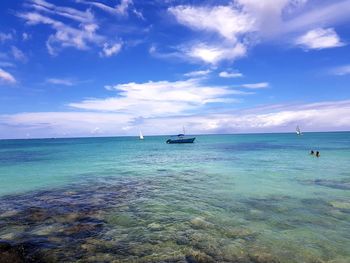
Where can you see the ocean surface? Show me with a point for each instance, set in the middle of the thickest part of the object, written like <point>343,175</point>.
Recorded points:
<point>225,198</point>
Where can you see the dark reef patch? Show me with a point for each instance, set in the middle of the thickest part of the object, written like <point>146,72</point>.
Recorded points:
<point>343,184</point>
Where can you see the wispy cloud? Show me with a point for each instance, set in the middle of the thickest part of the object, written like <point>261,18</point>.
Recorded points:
<point>18,54</point>
<point>5,37</point>
<point>79,36</point>
<point>6,77</point>
<point>225,74</point>
<point>61,81</point>
<point>260,85</point>
<point>120,9</point>
<point>319,38</point>
<point>85,17</point>
<point>341,70</point>
<point>161,98</point>
<point>6,64</point>
<point>318,116</point>
<point>197,73</point>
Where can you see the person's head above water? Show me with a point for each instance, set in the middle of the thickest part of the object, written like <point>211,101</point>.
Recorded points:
<point>312,152</point>
<point>318,154</point>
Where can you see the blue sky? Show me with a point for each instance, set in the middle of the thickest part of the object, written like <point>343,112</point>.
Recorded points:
<point>111,67</point>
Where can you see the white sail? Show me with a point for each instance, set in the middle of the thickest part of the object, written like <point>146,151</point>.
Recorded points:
<point>141,136</point>
<point>298,130</point>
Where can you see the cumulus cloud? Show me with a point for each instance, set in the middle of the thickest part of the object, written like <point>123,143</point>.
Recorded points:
<point>6,77</point>
<point>245,23</point>
<point>110,49</point>
<point>319,38</point>
<point>260,85</point>
<point>161,98</point>
<point>25,36</point>
<point>224,20</point>
<point>213,54</point>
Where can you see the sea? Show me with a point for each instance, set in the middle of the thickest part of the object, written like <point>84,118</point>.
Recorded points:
<point>249,198</point>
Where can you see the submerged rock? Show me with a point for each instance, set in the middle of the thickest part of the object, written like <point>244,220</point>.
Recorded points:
<point>199,222</point>
<point>341,204</point>
<point>155,226</point>
<point>19,253</point>
<point>263,257</point>
<point>199,257</point>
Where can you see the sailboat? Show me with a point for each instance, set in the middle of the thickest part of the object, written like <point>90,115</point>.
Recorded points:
<point>141,136</point>
<point>297,130</point>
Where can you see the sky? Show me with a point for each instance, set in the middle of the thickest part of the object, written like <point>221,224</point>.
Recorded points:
<point>73,68</point>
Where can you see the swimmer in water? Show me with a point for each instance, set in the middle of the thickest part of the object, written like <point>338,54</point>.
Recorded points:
<point>317,154</point>
<point>312,152</point>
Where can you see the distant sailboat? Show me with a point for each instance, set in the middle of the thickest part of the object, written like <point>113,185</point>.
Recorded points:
<point>141,136</point>
<point>297,130</point>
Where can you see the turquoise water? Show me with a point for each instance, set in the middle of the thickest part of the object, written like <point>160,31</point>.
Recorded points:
<point>225,198</point>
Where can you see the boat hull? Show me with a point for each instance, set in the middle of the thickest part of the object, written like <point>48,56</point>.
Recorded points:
<point>187,140</point>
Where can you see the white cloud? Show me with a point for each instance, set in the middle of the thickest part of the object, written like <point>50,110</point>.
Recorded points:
<point>6,77</point>
<point>18,54</point>
<point>319,38</point>
<point>123,6</point>
<point>6,64</point>
<point>79,36</point>
<point>85,17</point>
<point>63,124</point>
<point>246,23</point>
<point>121,9</point>
<point>325,14</point>
<point>213,54</point>
<point>161,98</point>
<point>110,49</point>
<point>319,116</point>
<point>25,36</point>
<point>197,73</point>
<point>224,20</point>
<point>5,37</point>
<point>260,85</point>
<point>60,81</point>
<point>341,71</point>
<point>225,74</point>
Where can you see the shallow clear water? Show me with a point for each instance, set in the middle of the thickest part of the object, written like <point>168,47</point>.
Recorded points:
<point>225,198</point>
